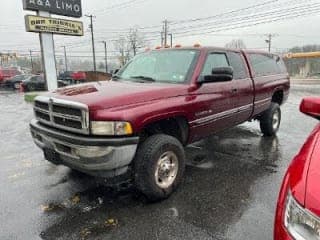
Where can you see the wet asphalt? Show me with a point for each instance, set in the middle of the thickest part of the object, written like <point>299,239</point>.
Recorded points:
<point>229,190</point>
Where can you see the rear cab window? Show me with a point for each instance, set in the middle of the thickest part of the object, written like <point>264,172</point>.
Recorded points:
<point>264,64</point>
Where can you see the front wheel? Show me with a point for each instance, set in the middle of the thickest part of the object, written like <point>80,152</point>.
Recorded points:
<point>31,88</point>
<point>270,120</point>
<point>159,166</point>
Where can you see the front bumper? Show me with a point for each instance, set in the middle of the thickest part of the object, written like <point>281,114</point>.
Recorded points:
<point>96,156</point>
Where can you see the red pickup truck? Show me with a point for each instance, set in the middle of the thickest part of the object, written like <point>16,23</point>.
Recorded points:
<point>136,125</point>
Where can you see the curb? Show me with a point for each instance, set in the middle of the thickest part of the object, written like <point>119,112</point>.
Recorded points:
<point>305,81</point>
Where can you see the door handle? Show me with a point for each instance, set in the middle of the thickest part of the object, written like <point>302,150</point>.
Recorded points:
<point>234,90</point>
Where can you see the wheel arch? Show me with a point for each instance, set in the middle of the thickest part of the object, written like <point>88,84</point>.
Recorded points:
<point>173,125</point>
<point>278,96</point>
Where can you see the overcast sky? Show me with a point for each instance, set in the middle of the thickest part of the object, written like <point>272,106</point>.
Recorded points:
<point>289,33</point>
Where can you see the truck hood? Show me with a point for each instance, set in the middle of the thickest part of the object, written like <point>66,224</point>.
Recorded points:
<point>108,94</point>
<point>312,198</point>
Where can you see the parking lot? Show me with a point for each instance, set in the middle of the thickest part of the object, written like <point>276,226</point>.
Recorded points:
<point>229,190</point>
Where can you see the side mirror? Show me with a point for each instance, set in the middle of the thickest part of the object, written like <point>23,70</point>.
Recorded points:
<point>116,71</point>
<point>220,74</point>
<point>311,107</point>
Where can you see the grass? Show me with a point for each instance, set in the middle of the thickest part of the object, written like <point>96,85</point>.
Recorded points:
<point>29,97</point>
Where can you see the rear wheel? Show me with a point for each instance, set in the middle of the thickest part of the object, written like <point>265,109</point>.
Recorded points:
<point>270,120</point>
<point>16,86</point>
<point>159,166</point>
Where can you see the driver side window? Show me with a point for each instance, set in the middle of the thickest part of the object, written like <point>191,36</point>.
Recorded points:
<point>214,60</point>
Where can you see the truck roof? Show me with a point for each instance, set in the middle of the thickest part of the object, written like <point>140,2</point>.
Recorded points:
<point>210,48</point>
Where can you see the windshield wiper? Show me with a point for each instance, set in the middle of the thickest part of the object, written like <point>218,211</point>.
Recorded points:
<point>144,78</point>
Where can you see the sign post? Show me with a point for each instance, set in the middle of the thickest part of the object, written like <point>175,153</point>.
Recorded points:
<point>48,57</point>
<point>47,26</point>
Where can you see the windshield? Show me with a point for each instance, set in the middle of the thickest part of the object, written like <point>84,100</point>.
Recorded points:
<point>170,66</point>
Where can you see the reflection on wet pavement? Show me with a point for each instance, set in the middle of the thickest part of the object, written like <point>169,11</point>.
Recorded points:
<point>229,191</point>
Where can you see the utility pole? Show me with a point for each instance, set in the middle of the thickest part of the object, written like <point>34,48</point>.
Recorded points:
<point>31,60</point>
<point>165,33</point>
<point>93,45</point>
<point>106,54</point>
<point>170,34</point>
<point>65,58</point>
<point>162,39</point>
<point>269,41</point>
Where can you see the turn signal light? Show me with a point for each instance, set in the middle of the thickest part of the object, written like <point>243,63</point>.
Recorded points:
<point>197,45</point>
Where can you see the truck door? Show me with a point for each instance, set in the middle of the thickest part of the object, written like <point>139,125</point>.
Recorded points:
<point>216,109</point>
<point>243,89</point>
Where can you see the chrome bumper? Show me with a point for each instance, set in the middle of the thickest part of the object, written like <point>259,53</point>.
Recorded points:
<point>101,157</point>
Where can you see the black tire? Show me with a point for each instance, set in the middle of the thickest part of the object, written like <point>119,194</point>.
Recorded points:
<point>31,88</point>
<point>16,85</point>
<point>148,156</point>
<point>270,120</point>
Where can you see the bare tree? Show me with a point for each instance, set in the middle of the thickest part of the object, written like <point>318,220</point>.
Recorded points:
<point>129,45</point>
<point>122,46</point>
<point>136,40</point>
<point>236,44</point>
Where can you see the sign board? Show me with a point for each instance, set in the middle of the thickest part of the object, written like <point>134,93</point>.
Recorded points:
<point>70,8</point>
<point>53,25</point>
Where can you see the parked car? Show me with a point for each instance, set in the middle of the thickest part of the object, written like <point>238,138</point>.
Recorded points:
<point>298,208</point>
<point>136,125</point>
<point>6,74</point>
<point>37,83</point>
<point>34,83</point>
<point>65,75</point>
<point>15,82</point>
<point>79,76</point>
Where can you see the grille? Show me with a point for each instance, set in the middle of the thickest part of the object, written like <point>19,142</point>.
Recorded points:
<point>66,115</point>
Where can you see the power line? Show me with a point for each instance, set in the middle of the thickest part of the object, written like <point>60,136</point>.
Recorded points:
<point>225,13</point>
<point>188,20</point>
<point>254,17</point>
<point>225,21</point>
<point>120,6</point>
<point>239,23</point>
<point>306,13</point>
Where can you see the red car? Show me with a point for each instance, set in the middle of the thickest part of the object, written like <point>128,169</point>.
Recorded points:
<point>298,209</point>
<point>78,76</point>
<point>6,74</point>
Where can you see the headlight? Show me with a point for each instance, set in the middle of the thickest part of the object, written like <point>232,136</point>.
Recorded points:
<point>111,128</point>
<point>300,223</point>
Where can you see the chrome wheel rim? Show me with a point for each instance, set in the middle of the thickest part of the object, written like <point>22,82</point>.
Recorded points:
<point>166,169</point>
<point>276,120</point>
<point>16,86</point>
